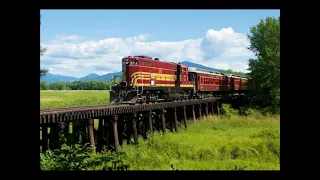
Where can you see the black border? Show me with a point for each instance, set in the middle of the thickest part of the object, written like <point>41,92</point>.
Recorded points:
<point>163,4</point>
<point>24,107</point>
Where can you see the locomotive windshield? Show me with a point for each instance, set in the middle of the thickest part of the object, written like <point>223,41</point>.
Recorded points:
<point>134,62</point>
<point>129,62</point>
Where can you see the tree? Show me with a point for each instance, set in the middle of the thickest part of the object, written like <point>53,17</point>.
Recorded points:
<point>265,69</point>
<point>43,72</point>
<point>42,50</point>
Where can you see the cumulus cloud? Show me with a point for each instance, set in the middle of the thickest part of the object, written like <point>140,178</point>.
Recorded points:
<point>73,55</point>
<point>225,42</point>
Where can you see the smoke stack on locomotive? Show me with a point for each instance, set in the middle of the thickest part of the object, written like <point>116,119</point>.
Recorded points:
<point>151,80</point>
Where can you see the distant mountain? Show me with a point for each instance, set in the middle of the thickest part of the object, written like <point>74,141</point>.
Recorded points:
<point>51,78</point>
<point>190,64</point>
<point>89,77</point>
<point>108,76</point>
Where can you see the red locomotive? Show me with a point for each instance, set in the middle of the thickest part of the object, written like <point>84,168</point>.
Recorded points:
<point>150,80</point>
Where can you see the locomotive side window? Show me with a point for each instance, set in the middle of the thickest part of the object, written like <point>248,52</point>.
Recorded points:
<point>146,63</point>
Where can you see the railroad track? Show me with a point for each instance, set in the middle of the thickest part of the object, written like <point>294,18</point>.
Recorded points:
<point>88,107</point>
<point>54,115</point>
<point>72,108</point>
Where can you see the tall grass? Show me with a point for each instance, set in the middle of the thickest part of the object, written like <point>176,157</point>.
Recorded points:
<point>52,99</point>
<point>212,144</point>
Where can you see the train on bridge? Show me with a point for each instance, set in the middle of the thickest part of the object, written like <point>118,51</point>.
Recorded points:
<point>147,80</point>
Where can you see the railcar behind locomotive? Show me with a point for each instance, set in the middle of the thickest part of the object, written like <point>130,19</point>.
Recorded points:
<point>150,80</point>
<point>216,83</point>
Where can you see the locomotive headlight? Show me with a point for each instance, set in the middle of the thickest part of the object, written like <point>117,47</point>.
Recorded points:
<point>131,84</point>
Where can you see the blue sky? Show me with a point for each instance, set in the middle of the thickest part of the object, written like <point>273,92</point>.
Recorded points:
<point>80,42</point>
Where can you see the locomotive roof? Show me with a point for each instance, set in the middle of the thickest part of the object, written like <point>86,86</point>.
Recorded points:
<point>149,58</point>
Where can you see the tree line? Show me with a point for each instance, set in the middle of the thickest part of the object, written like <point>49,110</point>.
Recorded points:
<point>229,71</point>
<point>78,85</point>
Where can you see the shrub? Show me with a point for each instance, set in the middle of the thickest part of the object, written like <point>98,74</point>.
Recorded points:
<point>81,158</point>
<point>247,111</point>
<point>227,111</point>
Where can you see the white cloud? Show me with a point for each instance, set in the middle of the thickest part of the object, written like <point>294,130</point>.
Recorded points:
<point>225,42</point>
<point>63,37</point>
<point>75,56</point>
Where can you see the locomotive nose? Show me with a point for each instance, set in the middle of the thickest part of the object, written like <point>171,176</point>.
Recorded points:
<point>114,96</point>
<point>123,84</point>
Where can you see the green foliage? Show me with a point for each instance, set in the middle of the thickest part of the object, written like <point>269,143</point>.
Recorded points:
<point>78,85</point>
<point>236,168</point>
<point>240,143</point>
<point>43,72</point>
<point>227,111</point>
<point>81,158</point>
<point>265,69</point>
<point>267,133</point>
<point>252,112</point>
<point>229,71</point>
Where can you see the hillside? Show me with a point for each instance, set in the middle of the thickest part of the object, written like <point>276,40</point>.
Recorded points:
<point>89,77</point>
<point>190,64</point>
<point>51,78</point>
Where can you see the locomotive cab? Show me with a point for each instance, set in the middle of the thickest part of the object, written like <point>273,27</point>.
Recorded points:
<point>126,89</point>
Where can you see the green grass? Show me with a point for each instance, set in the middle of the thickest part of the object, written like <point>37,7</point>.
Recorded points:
<point>52,99</point>
<point>212,144</point>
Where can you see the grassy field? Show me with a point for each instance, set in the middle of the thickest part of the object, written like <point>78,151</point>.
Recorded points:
<point>52,99</point>
<point>214,143</point>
